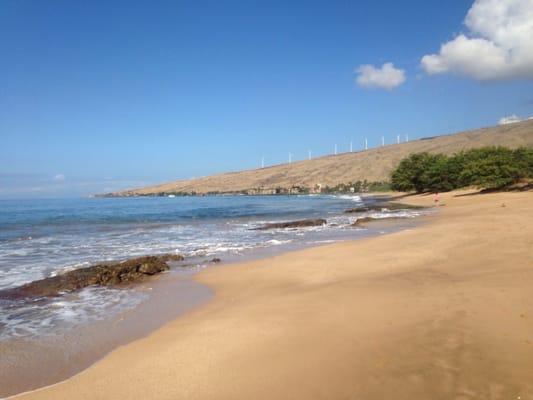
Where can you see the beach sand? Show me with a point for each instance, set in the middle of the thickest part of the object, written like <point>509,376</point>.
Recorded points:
<point>440,311</point>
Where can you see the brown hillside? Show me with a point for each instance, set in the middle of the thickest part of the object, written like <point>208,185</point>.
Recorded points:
<point>374,165</point>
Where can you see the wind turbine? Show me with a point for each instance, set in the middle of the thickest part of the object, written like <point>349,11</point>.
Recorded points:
<point>398,139</point>
<point>290,158</point>
<point>406,137</point>
<point>263,162</point>
<point>366,144</point>
<point>351,146</point>
<point>335,148</point>
<point>309,154</point>
<point>383,141</point>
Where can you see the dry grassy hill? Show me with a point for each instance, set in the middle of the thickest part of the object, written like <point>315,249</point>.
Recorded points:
<point>374,165</point>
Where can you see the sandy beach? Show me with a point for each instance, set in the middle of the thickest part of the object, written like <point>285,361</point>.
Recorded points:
<point>440,311</point>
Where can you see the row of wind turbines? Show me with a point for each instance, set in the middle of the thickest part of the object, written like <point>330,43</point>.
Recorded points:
<point>310,155</point>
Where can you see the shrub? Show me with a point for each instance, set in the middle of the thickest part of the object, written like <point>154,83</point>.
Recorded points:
<point>490,168</point>
<point>487,168</point>
<point>524,160</point>
<point>411,174</point>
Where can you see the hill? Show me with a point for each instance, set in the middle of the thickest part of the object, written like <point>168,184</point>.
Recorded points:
<point>373,165</point>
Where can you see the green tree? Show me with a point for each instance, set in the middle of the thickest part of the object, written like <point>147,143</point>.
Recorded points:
<point>524,159</point>
<point>487,167</point>
<point>490,168</point>
<point>411,173</point>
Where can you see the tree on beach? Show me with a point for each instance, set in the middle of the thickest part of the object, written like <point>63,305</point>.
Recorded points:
<point>411,174</point>
<point>485,168</point>
<point>491,168</point>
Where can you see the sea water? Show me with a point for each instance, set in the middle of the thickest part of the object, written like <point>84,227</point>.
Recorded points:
<point>42,238</point>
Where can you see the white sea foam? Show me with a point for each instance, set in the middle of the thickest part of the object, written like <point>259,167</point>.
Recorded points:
<point>352,197</point>
<point>36,319</point>
<point>276,242</point>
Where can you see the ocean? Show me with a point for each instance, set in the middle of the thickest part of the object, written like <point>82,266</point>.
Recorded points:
<point>41,238</point>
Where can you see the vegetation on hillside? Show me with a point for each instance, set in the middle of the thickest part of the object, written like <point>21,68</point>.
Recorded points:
<point>485,168</point>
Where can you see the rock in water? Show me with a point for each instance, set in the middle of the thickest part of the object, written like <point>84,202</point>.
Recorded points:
<point>99,275</point>
<point>292,224</point>
<point>361,221</point>
<point>171,257</point>
<point>357,210</point>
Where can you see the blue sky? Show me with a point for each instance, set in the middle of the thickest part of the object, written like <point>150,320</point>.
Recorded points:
<point>103,95</point>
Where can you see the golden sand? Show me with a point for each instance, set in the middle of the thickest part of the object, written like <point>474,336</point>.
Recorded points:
<point>441,311</point>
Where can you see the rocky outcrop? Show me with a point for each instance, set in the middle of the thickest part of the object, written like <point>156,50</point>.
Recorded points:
<point>171,257</point>
<point>390,206</point>
<point>401,206</point>
<point>360,209</point>
<point>292,224</point>
<point>361,221</point>
<point>108,274</point>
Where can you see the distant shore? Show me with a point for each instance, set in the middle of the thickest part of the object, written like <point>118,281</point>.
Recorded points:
<point>440,311</point>
<point>365,170</point>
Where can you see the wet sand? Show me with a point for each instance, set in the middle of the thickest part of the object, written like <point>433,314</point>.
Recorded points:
<point>68,352</point>
<point>440,311</point>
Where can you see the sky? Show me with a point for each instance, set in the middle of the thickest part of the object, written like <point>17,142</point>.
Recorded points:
<point>104,95</point>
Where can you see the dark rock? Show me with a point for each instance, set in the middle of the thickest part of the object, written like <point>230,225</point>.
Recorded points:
<point>391,206</point>
<point>357,210</point>
<point>216,260</point>
<point>293,224</point>
<point>361,221</point>
<point>171,257</point>
<point>100,275</point>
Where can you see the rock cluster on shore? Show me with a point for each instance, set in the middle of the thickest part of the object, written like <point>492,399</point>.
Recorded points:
<point>388,206</point>
<point>292,224</point>
<point>108,274</point>
<point>391,206</point>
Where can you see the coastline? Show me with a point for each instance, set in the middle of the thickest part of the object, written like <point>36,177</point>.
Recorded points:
<point>441,310</point>
<point>171,295</point>
<point>157,301</point>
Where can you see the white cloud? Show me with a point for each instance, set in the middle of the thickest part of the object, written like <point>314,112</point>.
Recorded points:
<point>59,178</point>
<point>499,44</point>
<point>386,77</point>
<point>511,119</point>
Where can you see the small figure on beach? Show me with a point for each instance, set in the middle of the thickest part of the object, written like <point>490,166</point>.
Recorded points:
<point>436,199</point>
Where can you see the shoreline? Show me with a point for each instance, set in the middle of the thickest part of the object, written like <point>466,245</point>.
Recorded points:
<point>267,310</point>
<point>95,340</point>
<point>170,295</point>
